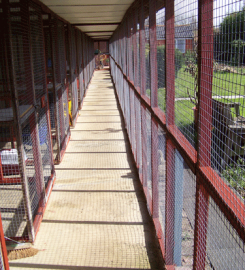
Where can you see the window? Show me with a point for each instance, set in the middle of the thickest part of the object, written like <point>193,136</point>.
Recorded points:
<point>180,44</point>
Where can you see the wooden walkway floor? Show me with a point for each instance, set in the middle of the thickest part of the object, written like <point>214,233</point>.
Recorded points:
<point>96,217</point>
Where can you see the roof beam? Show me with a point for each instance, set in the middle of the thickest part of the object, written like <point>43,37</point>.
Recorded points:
<point>102,31</point>
<point>94,24</point>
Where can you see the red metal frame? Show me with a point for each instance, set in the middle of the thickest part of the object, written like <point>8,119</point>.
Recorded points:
<point>3,246</point>
<point>209,183</point>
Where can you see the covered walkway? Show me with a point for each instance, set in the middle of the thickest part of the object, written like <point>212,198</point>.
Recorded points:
<point>96,217</point>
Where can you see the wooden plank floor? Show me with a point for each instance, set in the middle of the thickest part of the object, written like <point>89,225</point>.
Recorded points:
<point>96,217</point>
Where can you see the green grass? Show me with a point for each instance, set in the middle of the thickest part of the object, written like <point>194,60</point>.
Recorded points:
<point>224,84</point>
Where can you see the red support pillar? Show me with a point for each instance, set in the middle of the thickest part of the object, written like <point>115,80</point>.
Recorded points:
<point>170,120</point>
<point>205,73</point>
<point>135,14</point>
<point>153,53</point>
<point>3,246</point>
<point>130,68</point>
<point>142,50</point>
<point>154,103</point>
<point>170,68</point>
<point>205,76</point>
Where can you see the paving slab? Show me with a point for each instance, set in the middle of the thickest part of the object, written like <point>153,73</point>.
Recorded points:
<point>96,217</point>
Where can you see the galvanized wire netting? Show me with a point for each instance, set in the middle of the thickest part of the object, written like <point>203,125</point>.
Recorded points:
<point>194,51</point>
<point>33,111</point>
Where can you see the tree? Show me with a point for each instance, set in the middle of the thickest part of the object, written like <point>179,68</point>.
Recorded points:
<point>178,59</point>
<point>229,41</point>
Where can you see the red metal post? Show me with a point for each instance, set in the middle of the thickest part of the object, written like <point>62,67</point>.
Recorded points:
<point>135,14</point>
<point>205,75</point>
<point>170,69</point>
<point>170,148</point>
<point>153,52</point>
<point>3,246</point>
<point>142,51</point>
<point>129,48</point>
<point>154,103</point>
<point>205,70</point>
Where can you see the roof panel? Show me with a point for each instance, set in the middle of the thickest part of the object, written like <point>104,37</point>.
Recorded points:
<point>86,2</point>
<point>77,9</point>
<point>86,28</point>
<point>93,15</point>
<point>91,12</point>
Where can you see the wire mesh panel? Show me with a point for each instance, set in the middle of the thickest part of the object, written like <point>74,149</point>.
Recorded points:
<point>43,163</point>
<point>147,52</point>
<point>162,176</point>
<point>1,260</point>
<point>228,94</point>
<point>132,120</point>
<point>138,134</point>
<point>26,155</point>
<point>72,77</point>
<point>225,248</point>
<point>80,66</point>
<point>186,71</point>
<point>148,147</point>
<point>200,59</point>
<point>84,45</point>
<point>185,192</point>
<point>13,203</point>
<point>160,35</point>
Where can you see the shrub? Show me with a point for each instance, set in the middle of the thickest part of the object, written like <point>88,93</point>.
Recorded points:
<point>235,175</point>
<point>178,60</point>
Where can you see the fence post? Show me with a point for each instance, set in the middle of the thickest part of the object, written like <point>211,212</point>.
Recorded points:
<point>204,125</point>
<point>170,149</point>
<point>3,247</point>
<point>154,103</point>
<point>142,50</point>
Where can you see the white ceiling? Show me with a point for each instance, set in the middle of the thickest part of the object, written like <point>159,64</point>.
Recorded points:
<point>97,18</point>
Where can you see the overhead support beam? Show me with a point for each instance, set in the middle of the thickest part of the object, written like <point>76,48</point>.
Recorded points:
<point>94,24</point>
<point>87,32</point>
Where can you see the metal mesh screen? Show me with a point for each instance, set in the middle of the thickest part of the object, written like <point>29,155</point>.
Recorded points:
<point>188,215</point>
<point>138,134</point>
<point>225,249</point>
<point>26,153</point>
<point>13,210</point>
<point>162,176</point>
<point>199,52</point>
<point>160,34</point>
<point>228,94</point>
<point>80,66</point>
<point>147,54</point>
<point>148,151</point>
<point>1,260</point>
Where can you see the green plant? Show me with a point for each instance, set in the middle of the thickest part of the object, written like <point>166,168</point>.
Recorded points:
<point>235,175</point>
<point>178,61</point>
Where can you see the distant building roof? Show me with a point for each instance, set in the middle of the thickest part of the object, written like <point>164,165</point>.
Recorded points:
<point>181,31</point>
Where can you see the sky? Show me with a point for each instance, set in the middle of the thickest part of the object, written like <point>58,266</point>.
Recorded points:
<point>186,10</point>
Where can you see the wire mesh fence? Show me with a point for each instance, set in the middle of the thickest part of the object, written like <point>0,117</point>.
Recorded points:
<point>34,111</point>
<point>198,183</point>
<point>56,75</point>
